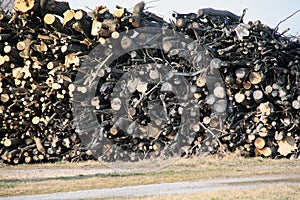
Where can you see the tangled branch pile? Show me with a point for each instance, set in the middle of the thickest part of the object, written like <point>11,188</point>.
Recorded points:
<point>42,54</point>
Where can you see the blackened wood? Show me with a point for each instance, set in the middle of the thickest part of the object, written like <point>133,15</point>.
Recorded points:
<point>213,12</point>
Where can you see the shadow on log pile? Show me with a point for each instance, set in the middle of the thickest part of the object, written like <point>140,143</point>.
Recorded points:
<point>41,54</point>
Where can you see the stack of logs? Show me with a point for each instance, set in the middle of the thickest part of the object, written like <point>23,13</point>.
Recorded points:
<point>262,83</point>
<point>44,42</point>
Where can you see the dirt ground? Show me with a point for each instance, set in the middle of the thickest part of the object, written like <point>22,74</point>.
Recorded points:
<point>184,178</point>
<point>176,188</point>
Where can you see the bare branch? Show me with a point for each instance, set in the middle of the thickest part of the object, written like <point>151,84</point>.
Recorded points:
<point>277,26</point>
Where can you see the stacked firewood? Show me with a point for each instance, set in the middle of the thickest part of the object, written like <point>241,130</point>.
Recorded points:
<point>261,81</point>
<point>43,44</point>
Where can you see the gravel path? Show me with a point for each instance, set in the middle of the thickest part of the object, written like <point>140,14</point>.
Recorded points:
<point>172,188</point>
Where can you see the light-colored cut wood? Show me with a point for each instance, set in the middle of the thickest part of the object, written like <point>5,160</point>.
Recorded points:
<point>68,16</point>
<point>23,5</point>
<point>259,143</point>
<point>255,78</point>
<point>118,13</point>
<point>286,146</point>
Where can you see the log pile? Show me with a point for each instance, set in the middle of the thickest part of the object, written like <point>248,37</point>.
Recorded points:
<point>261,79</point>
<point>43,44</point>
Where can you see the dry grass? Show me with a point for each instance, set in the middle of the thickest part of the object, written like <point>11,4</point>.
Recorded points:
<point>181,170</point>
<point>61,165</point>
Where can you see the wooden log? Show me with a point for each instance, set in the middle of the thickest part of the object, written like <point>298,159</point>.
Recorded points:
<point>138,9</point>
<point>137,13</point>
<point>52,20</point>
<point>11,142</point>
<point>85,23</point>
<point>239,97</point>
<point>101,12</point>
<point>28,159</point>
<point>213,12</point>
<point>119,13</point>
<point>39,65</point>
<point>258,95</point>
<point>219,92</point>
<point>66,142</point>
<point>4,98</point>
<point>55,7</point>
<point>296,104</point>
<point>169,45</point>
<point>97,29</point>
<point>41,7</point>
<point>240,72</point>
<point>23,6</point>
<point>220,106</point>
<point>180,22</point>
<point>39,145</point>
<point>109,24</point>
<point>68,16</point>
<point>265,108</point>
<point>255,78</point>
<point>115,35</point>
<point>286,146</point>
<point>263,132</point>
<point>116,104</point>
<point>128,44</point>
<point>266,152</point>
<point>259,143</point>
<point>6,37</point>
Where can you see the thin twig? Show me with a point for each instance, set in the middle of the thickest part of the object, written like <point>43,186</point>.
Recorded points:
<point>89,8</point>
<point>153,1</point>
<point>207,129</point>
<point>242,16</point>
<point>145,95</point>
<point>277,26</point>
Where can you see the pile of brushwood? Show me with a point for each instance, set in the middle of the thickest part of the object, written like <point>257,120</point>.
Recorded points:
<point>156,101</point>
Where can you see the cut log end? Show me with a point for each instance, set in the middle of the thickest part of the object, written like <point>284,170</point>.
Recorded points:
<point>4,98</point>
<point>259,143</point>
<point>255,78</point>
<point>49,19</point>
<point>68,16</point>
<point>118,13</point>
<point>79,15</point>
<point>23,5</point>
